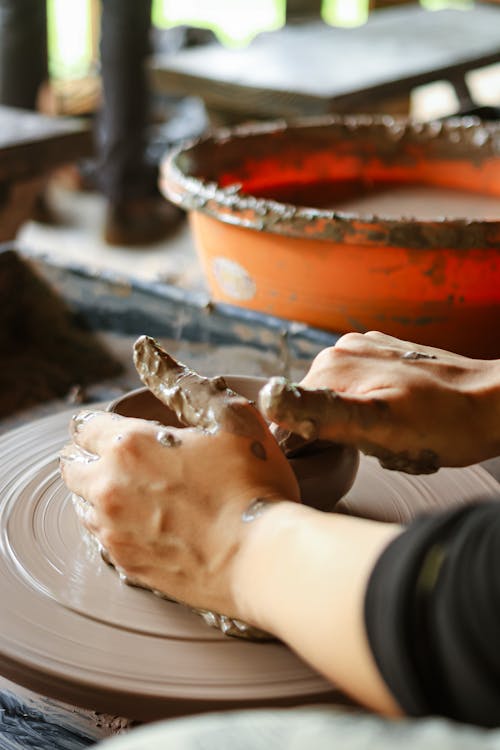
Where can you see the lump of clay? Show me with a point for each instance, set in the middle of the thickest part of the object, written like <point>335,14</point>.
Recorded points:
<point>197,402</point>
<point>325,471</point>
<point>177,395</point>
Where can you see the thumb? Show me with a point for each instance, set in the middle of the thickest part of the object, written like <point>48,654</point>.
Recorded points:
<point>317,414</point>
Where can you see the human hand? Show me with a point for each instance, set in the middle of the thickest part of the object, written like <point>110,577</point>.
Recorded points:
<point>414,407</point>
<point>166,503</point>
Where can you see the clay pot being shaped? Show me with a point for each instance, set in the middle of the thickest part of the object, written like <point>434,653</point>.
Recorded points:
<point>352,223</point>
<point>324,475</point>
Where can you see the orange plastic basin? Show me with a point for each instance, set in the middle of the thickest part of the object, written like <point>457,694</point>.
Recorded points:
<point>283,224</point>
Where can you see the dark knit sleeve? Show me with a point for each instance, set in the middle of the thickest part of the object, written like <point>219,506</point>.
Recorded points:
<point>432,613</point>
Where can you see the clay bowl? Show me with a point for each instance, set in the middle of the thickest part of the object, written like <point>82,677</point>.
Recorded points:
<point>324,477</point>
<point>352,223</point>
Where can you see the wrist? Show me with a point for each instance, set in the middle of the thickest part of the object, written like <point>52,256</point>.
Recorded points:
<point>263,545</point>
<point>286,551</point>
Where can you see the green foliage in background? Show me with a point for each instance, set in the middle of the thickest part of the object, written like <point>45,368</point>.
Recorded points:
<point>69,38</point>
<point>235,23</point>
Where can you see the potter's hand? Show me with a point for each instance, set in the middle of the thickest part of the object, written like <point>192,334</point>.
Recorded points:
<point>167,503</point>
<point>414,407</point>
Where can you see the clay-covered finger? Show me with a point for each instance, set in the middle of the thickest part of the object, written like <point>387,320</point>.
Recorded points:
<point>75,453</point>
<point>93,430</point>
<point>86,514</point>
<point>78,468</point>
<point>197,401</point>
<point>318,413</point>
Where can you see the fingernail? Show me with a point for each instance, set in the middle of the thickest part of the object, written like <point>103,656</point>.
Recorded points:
<point>67,454</point>
<point>79,420</point>
<point>78,454</point>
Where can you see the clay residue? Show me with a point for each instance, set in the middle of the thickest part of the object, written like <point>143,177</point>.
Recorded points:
<point>303,411</point>
<point>167,438</point>
<point>412,355</point>
<point>258,450</point>
<point>45,351</point>
<point>293,406</point>
<point>210,404</point>
<point>424,462</point>
<point>197,401</point>
<point>215,176</point>
<point>256,508</point>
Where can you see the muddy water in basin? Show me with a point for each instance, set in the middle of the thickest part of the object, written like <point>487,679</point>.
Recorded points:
<point>389,199</point>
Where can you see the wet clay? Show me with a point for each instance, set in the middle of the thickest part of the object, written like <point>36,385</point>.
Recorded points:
<point>425,462</point>
<point>303,411</point>
<point>279,202</point>
<point>417,355</point>
<point>166,438</point>
<point>72,632</point>
<point>389,199</point>
<point>325,471</point>
<point>207,403</point>
<point>255,509</point>
<point>67,624</point>
<point>424,202</point>
<point>228,174</point>
<point>197,401</point>
<point>200,402</point>
<point>282,401</point>
<point>227,625</point>
<point>323,477</point>
<point>258,450</point>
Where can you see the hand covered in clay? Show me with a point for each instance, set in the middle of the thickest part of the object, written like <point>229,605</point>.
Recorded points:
<point>168,504</point>
<point>414,407</point>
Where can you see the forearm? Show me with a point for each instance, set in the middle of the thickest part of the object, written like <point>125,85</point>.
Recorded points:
<point>302,575</point>
<point>359,600</point>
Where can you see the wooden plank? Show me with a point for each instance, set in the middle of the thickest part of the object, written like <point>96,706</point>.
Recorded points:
<point>17,202</point>
<point>315,68</point>
<point>32,144</point>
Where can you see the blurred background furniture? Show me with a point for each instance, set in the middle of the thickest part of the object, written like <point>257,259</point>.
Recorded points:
<point>312,68</point>
<point>31,146</point>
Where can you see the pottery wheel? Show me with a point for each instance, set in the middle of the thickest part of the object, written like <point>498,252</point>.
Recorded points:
<point>69,628</point>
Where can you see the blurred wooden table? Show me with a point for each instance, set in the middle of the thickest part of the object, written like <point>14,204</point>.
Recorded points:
<point>31,145</point>
<point>312,68</point>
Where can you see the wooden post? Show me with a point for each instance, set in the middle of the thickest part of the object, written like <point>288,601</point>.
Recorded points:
<point>95,29</point>
<point>299,9</point>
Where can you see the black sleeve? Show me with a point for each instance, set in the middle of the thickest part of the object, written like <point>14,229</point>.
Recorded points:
<point>432,613</point>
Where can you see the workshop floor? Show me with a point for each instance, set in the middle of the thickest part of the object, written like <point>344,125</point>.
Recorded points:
<point>77,240</point>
